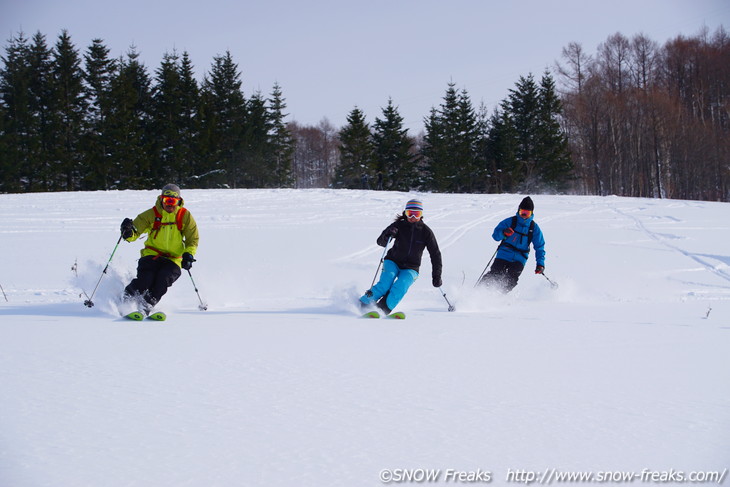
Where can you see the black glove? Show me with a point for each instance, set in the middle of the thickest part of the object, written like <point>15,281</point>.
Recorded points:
<point>127,228</point>
<point>187,261</point>
<point>437,281</point>
<point>392,232</point>
<point>539,269</point>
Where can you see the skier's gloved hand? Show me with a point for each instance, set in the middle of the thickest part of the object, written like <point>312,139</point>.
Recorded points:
<point>187,261</point>
<point>539,269</point>
<point>392,232</point>
<point>127,228</point>
<point>437,281</point>
<point>508,232</point>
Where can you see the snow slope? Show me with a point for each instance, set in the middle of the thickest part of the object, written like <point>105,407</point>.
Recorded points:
<point>624,367</point>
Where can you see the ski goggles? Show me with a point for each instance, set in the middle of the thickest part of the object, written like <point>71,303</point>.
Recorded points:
<point>525,213</point>
<point>414,213</point>
<point>170,201</point>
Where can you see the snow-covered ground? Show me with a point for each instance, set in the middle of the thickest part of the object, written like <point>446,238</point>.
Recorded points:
<point>624,368</point>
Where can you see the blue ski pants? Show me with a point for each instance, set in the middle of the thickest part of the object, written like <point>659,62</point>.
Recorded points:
<point>394,282</point>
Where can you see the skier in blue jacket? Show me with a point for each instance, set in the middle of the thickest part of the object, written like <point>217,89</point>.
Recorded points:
<point>516,234</point>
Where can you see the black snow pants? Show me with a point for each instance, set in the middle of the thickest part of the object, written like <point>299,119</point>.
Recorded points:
<point>503,275</point>
<point>154,276</point>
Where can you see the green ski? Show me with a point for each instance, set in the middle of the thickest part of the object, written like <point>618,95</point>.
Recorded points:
<point>135,315</point>
<point>157,316</point>
<point>371,314</point>
<point>398,315</point>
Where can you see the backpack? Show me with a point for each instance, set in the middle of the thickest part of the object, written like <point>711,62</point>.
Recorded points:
<point>158,220</point>
<point>156,228</point>
<point>530,231</point>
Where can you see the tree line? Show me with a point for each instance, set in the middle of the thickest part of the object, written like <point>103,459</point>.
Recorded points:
<point>520,147</point>
<point>68,123</point>
<point>634,119</point>
<point>649,120</point>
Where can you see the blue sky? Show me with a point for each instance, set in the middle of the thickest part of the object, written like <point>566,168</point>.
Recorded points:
<point>330,56</point>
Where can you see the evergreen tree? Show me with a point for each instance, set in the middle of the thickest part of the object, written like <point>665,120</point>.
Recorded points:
<point>524,111</point>
<point>394,159</point>
<point>555,166</point>
<point>484,171</point>
<point>433,151</point>
<point>223,115</point>
<point>453,144</point>
<point>68,116</point>
<point>208,172</point>
<point>280,138</point>
<point>526,143</point>
<point>189,130</point>
<point>438,142</point>
<point>470,147</point>
<point>256,150</point>
<point>5,176</point>
<point>501,151</point>
<point>18,122</point>
<point>38,168</point>
<point>356,168</point>
<point>171,123</point>
<point>129,121</point>
<point>98,74</point>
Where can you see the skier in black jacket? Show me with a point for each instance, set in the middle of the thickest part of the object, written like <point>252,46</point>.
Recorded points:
<point>403,260</point>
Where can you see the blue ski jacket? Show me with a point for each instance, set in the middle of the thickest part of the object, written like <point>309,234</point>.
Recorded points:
<point>516,248</point>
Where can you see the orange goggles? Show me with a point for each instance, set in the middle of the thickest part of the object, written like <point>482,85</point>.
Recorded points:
<point>414,213</point>
<point>525,213</point>
<point>170,201</point>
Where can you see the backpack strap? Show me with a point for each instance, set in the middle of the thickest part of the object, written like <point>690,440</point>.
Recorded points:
<point>179,218</point>
<point>530,232</point>
<point>161,253</point>
<point>157,224</point>
<point>158,220</point>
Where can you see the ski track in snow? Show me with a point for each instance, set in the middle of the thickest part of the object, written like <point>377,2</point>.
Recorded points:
<point>623,367</point>
<point>664,240</point>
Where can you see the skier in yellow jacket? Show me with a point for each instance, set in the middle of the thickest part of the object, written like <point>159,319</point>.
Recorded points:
<point>172,239</point>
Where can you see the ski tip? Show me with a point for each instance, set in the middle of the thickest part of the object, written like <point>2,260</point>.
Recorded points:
<point>135,316</point>
<point>371,314</point>
<point>157,316</point>
<point>398,315</point>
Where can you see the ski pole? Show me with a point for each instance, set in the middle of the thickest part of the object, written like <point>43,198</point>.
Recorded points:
<point>487,267</point>
<point>201,306</point>
<point>451,306</point>
<point>89,303</point>
<point>382,258</point>
<point>5,295</point>
<point>553,284</point>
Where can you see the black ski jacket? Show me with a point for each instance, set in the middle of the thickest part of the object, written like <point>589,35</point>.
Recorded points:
<point>410,241</point>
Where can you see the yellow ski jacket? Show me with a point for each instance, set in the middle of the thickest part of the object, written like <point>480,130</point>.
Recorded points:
<point>169,235</point>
